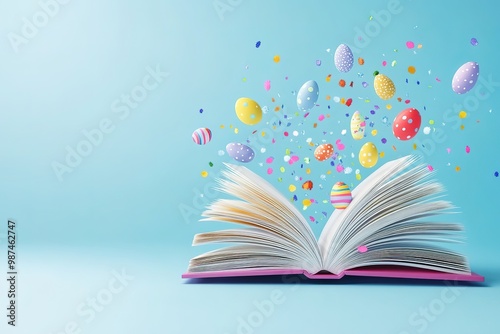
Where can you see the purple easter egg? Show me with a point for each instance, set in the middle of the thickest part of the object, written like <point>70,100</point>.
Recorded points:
<point>240,152</point>
<point>343,58</point>
<point>465,77</point>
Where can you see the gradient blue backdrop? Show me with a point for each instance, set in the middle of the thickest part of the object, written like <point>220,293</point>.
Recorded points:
<point>133,203</point>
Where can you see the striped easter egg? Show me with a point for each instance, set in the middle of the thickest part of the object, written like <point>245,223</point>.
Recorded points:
<point>202,136</point>
<point>340,196</point>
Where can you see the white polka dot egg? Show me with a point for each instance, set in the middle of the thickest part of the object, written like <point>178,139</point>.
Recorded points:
<point>368,155</point>
<point>240,152</point>
<point>343,58</point>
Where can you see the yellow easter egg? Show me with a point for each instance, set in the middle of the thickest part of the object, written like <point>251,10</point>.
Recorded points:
<point>248,111</point>
<point>368,155</point>
<point>358,125</point>
<point>384,87</point>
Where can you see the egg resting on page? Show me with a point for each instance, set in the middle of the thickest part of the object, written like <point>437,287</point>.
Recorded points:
<point>340,196</point>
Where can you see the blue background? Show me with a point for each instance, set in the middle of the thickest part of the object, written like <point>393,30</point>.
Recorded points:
<point>132,204</point>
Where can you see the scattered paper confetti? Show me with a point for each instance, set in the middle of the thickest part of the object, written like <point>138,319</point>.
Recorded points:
<point>362,249</point>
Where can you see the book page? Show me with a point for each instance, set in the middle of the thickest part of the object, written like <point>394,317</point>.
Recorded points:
<point>388,223</point>
<point>260,206</point>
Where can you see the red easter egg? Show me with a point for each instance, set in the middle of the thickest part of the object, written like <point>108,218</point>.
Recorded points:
<point>406,124</point>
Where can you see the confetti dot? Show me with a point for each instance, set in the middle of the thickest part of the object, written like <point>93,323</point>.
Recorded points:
<point>496,174</point>
<point>201,111</point>
<point>412,69</point>
<point>410,45</point>
<point>467,149</point>
<point>427,130</point>
<point>462,114</point>
<point>362,249</point>
<point>361,61</point>
<point>457,168</point>
<point>318,62</point>
<point>204,173</point>
<point>292,188</point>
<point>277,59</point>
<point>257,45</point>
<point>474,41</point>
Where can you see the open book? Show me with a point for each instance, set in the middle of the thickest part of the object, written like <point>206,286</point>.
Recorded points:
<point>387,230</point>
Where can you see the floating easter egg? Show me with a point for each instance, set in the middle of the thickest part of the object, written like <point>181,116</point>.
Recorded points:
<point>384,87</point>
<point>248,111</point>
<point>343,58</point>
<point>307,95</point>
<point>240,152</point>
<point>202,136</point>
<point>465,77</point>
<point>368,155</point>
<point>358,125</point>
<point>323,152</point>
<point>340,196</point>
<point>406,124</point>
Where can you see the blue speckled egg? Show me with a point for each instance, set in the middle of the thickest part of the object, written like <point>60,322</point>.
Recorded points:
<point>308,95</point>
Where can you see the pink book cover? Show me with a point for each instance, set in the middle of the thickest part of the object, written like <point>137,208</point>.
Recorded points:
<point>374,271</point>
